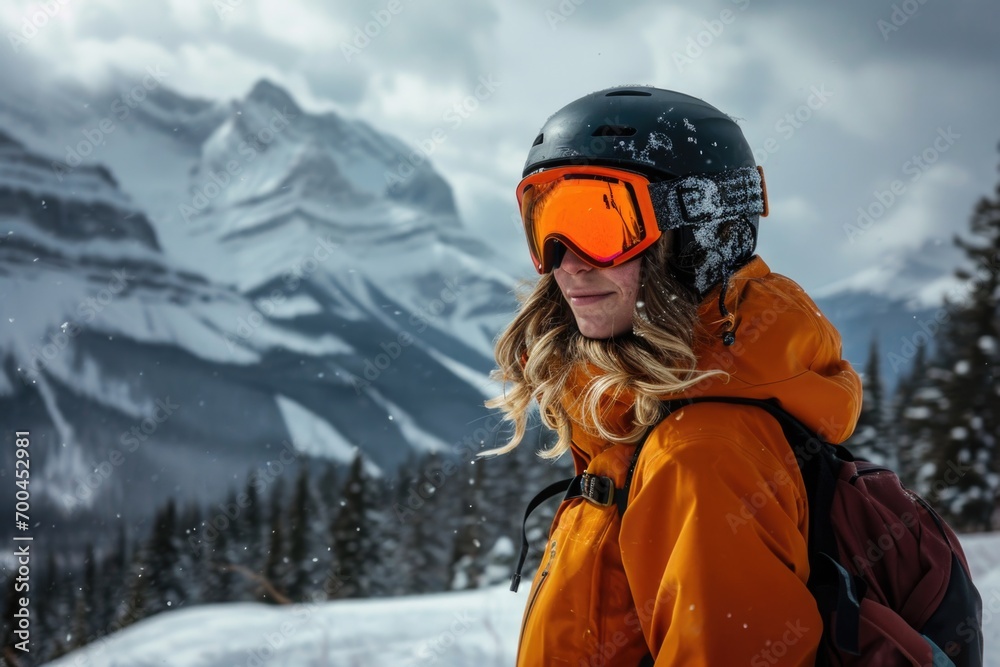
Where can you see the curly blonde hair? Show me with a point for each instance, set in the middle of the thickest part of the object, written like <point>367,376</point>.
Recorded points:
<point>542,348</point>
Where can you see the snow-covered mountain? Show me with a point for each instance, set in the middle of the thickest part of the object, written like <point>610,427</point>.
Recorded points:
<point>899,302</point>
<point>188,289</point>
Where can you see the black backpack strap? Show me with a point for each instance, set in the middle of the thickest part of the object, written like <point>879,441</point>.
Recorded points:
<point>596,489</point>
<point>549,491</point>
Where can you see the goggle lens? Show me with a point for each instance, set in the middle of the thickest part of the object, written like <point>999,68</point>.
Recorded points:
<point>597,215</point>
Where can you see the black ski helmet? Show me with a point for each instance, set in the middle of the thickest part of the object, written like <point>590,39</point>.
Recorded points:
<point>664,135</point>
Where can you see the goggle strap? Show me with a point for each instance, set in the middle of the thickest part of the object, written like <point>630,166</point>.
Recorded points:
<point>702,198</point>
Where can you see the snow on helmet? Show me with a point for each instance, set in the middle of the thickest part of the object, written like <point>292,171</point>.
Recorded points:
<point>689,150</point>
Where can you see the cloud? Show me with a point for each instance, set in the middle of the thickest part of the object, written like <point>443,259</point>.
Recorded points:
<point>914,210</point>
<point>451,40</point>
<point>760,62</point>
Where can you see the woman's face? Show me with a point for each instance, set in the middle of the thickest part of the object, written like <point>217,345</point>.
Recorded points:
<point>602,300</point>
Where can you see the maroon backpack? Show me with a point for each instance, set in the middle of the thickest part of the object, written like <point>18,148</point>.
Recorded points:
<point>889,575</point>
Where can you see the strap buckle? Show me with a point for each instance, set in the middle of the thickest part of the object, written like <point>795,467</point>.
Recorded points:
<point>597,490</point>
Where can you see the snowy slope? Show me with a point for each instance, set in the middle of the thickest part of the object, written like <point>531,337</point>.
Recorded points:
<point>449,630</point>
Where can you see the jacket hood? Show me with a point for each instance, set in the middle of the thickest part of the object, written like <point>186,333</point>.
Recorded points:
<point>785,349</point>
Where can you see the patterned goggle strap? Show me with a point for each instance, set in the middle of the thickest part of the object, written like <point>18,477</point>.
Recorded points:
<point>702,198</point>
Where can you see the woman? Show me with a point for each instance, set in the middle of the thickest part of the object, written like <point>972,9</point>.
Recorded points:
<point>640,207</point>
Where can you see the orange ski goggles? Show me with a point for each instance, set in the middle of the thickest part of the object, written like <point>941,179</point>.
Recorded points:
<point>603,215</point>
<point>608,216</point>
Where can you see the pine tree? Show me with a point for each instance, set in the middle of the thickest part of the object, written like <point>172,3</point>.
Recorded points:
<point>60,578</point>
<point>965,467</point>
<point>467,565</point>
<point>247,546</point>
<point>870,439</point>
<point>276,561</point>
<point>191,569</point>
<point>220,580</point>
<point>111,581</point>
<point>52,608</point>
<point>329,486</point>
<point>82,629</point>
<point>913,405</point>
<point>433,527</point>
<point>134,606</point>
<point>302,575</point>
<point>351,535</point>
<point>165,588</point>
<point>396,565</point>
<point>386,558</point>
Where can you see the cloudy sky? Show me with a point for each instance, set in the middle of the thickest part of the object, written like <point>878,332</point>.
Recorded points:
<point>840,100</point>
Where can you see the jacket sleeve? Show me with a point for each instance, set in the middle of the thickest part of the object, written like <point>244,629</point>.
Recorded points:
<point>713,544</point>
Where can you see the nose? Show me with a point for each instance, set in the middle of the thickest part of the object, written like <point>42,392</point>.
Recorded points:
<point>572,264</point>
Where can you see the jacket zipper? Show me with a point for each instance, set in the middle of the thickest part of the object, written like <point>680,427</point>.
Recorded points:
<point>538,588</point>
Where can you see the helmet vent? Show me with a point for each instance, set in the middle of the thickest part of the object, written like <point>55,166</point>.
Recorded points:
<point>628,93</point>
<point>614,131</point>
<point>539,139</point>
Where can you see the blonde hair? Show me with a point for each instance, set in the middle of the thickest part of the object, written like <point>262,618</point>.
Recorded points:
<point>542,349</point>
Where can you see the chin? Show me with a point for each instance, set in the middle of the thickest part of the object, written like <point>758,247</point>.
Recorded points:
<point>596,332</point>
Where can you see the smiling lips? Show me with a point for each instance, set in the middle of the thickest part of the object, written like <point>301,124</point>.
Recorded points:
<point>584,298</point>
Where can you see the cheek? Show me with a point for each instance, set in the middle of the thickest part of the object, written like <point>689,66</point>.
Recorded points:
<point>562,290</point>
<point>629,281</point>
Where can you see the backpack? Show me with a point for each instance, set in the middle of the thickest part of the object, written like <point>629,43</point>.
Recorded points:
<point>888,574</point>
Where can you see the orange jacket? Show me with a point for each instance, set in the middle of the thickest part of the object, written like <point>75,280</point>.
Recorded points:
<point>709,564</point>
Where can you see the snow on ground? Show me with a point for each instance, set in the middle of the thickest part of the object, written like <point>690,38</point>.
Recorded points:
<point>448,630</point>
<point>469,628</point>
